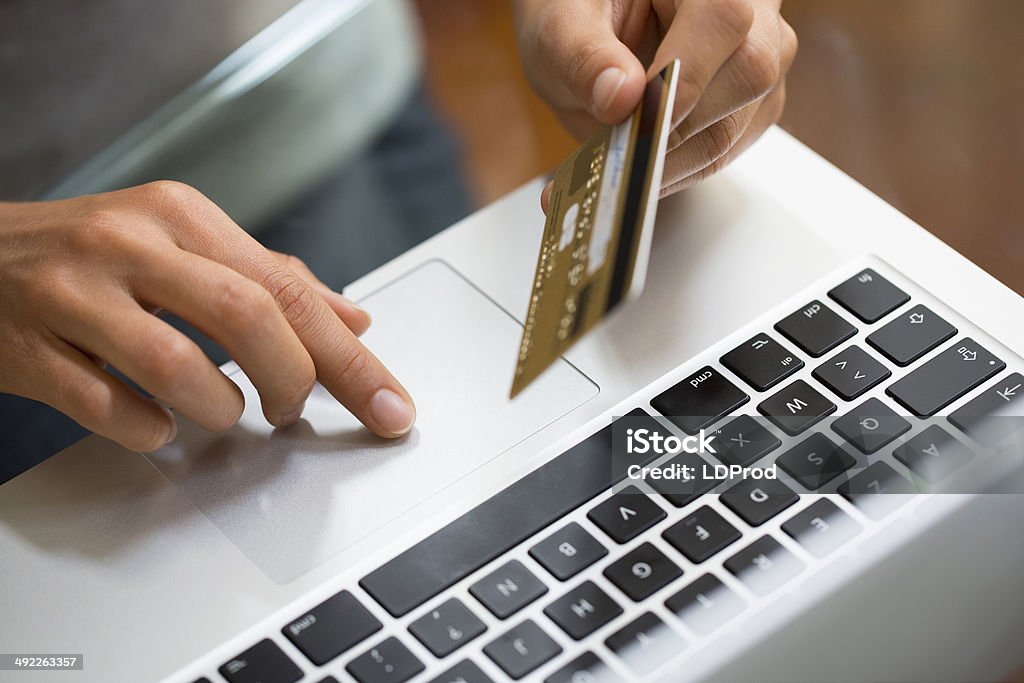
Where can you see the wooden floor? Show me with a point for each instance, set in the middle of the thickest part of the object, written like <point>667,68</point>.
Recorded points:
<point>920,100</point>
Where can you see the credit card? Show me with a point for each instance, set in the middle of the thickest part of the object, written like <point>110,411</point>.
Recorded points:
<point>597,237</point>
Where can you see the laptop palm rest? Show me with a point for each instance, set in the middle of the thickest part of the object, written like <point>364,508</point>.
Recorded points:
<point>291,498</point>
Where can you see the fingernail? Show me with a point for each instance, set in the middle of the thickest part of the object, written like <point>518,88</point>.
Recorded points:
<point>293,417</point>
<point>392,412</point>
<point>174,431</point>
<point>607,86</point>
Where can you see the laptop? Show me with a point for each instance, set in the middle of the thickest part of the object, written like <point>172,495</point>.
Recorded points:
<point>498,541</point>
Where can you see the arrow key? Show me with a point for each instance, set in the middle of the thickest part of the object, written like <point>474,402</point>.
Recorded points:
<point>912,335</point>
<point>996,414</point>
<point>851,373</point>
<point>626,514</point>
<point>933,454</point>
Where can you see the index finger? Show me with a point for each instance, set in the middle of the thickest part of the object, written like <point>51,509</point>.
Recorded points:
<point>346,368</point>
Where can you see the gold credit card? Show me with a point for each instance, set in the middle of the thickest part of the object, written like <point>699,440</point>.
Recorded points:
<point>597,237</point>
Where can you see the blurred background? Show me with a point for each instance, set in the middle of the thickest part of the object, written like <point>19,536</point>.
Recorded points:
<point>346,131</point>
<point>922,101</point>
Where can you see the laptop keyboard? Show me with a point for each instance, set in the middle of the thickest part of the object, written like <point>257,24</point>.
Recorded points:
<point>568,575</point>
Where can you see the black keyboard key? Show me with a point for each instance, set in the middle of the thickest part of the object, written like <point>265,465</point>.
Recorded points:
<point>583,610</point>
<point>568,551</point>
<point>389,662</point>
<point>264,662</point>
<point>821,528</point>
<point>699,400</point>
<point>764,565</point>
<point>626,514</point>
<point>945,378</point>
<point>744,441</point>
<point>706,604</point>
<point>762,362</point>
<point>878,490</point>
<point>508,589</point>
<point>797,408</point>
<point>463,672</point>
<point>328,679</point>
<point>503,521</point>
<point>446,628</point>
<point>645,643</point>
<point>642,572</point>
<point>996,414</point>
<point>522,649</point>
<point>700,535</point>
<point>587,668</point>
<point>815,461</point>
<point>852,373</point>
<point>933,454</point>
<point>869,296</point>
<point>683,492</point>
<point>331,628</point>
<point>871,426</point>
<point>912,335</point>
<point>756,501</point>
<point>816,329</point>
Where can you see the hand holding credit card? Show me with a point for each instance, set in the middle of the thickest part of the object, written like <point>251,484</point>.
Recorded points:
<point>597,237</point>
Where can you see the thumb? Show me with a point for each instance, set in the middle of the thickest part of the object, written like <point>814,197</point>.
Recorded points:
<point>580,51</point>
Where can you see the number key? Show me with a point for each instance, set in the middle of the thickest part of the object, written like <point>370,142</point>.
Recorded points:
<point>447,628</point>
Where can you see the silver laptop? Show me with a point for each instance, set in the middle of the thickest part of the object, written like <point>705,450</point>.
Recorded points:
<point>499,541</point>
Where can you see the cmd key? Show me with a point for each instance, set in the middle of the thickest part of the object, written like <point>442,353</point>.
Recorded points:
<point>331,628</point>
<point>945,378</point>
<point>699,400</point>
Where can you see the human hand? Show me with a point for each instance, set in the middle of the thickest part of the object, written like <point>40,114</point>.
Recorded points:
<point>81,278</point>
<point>587,58</point>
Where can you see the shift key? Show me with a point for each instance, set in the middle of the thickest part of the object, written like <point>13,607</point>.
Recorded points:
<point>945,378</point>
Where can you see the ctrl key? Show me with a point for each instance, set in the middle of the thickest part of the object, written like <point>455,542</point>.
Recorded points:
<point>264,662</point>
<point>522,649</point>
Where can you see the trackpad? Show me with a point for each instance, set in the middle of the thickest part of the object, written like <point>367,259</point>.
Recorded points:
<point>291,498</point>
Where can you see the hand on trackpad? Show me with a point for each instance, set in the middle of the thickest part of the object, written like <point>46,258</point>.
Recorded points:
<point>317,487</point>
